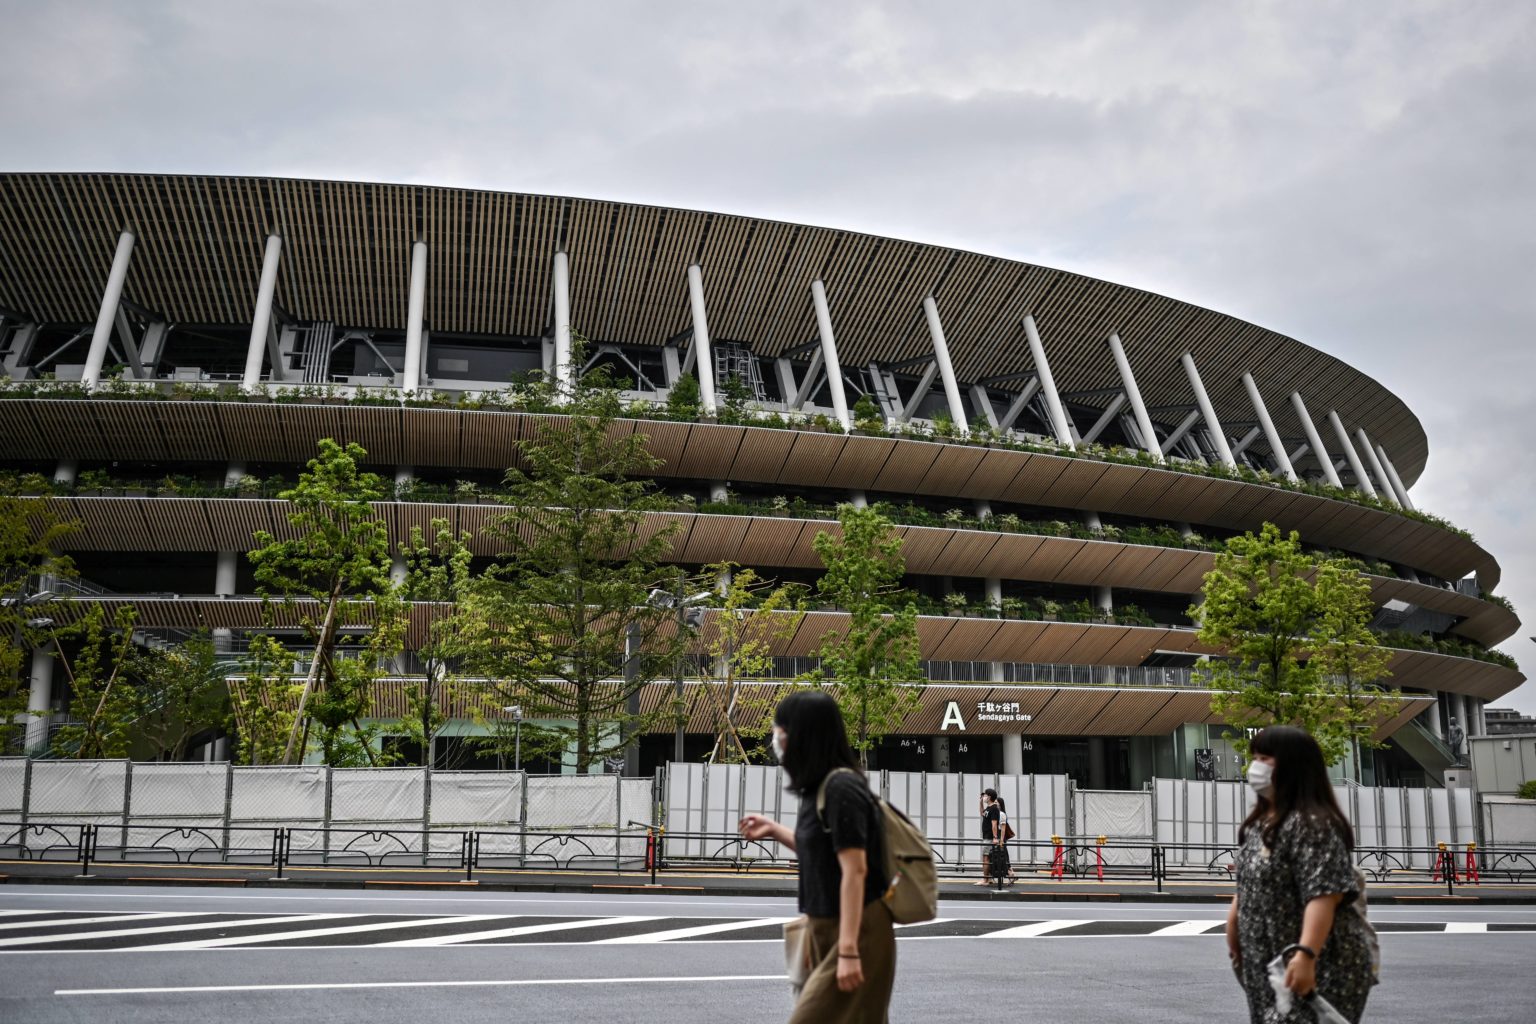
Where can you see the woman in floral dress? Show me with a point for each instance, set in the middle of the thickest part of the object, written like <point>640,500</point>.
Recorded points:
<point>1295,881</point>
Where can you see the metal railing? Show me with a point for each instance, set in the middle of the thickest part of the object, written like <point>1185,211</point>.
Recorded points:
<point>637,847</point>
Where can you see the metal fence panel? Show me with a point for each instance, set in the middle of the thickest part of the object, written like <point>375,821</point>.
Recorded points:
<point>13,787</point>
<point>286,795</point>
<point>177,810</point>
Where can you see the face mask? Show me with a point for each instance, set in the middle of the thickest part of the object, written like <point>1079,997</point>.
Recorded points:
<point>1261,777</point>
<point>777,746</point>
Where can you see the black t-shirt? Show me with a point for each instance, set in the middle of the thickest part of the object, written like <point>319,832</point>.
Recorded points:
<point>988,817</point>
<point>853,821</point>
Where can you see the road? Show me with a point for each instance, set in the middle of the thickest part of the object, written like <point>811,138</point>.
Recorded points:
<point>168,954</point>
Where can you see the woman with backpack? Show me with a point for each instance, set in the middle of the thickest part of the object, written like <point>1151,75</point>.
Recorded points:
<point>1295,884</point>
<point>851,946</point>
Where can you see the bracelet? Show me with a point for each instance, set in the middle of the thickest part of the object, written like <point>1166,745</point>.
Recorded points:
<point>1297,947</point>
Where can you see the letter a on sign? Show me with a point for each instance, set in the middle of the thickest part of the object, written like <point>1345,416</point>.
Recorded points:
<point>952,716</point>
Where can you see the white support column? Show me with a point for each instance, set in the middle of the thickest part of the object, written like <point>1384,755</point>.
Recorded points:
<point>66,471</point>
<point>981,401</point>
<point>1315,440</point>
<point>1104,599</point>
<point>946,368</point>
<point>1180,430</point>
<point>410,378</point>
<point>261,320</point>
<point>1377,472</point>
<point>924,385</point>
<point>39,698</point>
<point>1246,440</point>
<point>106,317</point>
<point>1143,421</point>
<point>562,326</point>
<point>1397,481</point>
<point>706,358</point>
<point>1110,412</point>
<point>1218,436</point>
<point>1276,446</point>
<point>1048,384</point>
<point>1013,754</point>
<point>1362,479</point>
<point>829,354</point>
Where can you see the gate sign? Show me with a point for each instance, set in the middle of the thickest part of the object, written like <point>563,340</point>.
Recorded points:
<point>995,711</point>
<point>952,716</point>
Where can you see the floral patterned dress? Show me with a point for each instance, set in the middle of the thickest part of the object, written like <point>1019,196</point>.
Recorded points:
<point>1309,860</point>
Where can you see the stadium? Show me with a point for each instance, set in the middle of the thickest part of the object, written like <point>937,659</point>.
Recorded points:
<point>1063,454</point>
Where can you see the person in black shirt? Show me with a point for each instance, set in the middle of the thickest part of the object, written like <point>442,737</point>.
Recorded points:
<point>842,858</point>
<point>991,833</point>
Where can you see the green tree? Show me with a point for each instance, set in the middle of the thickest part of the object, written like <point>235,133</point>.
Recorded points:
<point>30,533</point>
<point>756,616</point>
<point>181,692</point>
<point>338,555</point>
<point>552,620</point>
<point>876,663</point>
<point>438,572</point>
<point>265,698</point>
<point>1349,658</point>
<point>685,400</point>
<point>104,705</point>
<point>1265,611</point>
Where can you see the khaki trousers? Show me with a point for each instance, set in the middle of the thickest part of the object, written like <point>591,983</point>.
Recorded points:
<point>821,1002</point>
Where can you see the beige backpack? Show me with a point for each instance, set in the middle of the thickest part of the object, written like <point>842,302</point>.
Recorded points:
<point>912,894</point>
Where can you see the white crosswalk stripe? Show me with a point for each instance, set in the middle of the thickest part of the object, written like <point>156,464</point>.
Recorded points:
<point>113,933</point>
<point>689,933</point>
<point>109,919</point>
<point>58,932</point>
<point>315,933</point>
<point>1188,928</point>
<point>1028,931</point>
<point>527,929</point>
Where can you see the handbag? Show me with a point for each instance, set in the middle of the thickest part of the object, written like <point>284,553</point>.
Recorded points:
<point>797,952</point>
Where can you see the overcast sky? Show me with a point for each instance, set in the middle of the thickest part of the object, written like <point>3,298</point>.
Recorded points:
<point>1358,175</point>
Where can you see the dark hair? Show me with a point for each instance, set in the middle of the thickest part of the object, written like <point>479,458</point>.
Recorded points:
<point>990,794</point>
<point>818,740</point>
<point>1301,785</point>
<point>1002,804</point>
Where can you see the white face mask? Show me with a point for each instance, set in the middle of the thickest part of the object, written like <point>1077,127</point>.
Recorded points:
<point>1261,777</point>
<point>777,746</point>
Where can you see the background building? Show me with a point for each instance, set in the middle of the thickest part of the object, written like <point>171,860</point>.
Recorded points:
<point>1116,436</point>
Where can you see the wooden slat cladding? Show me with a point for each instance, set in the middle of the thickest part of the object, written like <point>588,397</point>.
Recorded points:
<point>346,259</point>
<point>47,428</point>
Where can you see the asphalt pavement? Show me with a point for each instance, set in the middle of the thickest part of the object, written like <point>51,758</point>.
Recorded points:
<point>153,953</point>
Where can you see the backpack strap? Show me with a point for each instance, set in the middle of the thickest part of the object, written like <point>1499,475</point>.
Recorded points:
<point>821,796</point>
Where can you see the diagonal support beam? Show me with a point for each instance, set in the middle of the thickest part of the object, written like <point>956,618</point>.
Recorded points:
<point>1019,404</point>
<point>924,385</point>
<point>1104,420</point>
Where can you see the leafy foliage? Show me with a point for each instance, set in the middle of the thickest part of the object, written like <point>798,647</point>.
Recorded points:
<point>264,702</point>
<point>104,705</point>
<point>339,557</point>
<point>181,691</point>
<point>30,531</point>
<point>1298,649</point>
<point>876,663</point>
<point>551,622</point>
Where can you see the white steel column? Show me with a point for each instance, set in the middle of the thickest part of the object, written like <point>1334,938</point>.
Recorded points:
<point>1013,754</point>
<point>946,368</point>
<point>410,378</point>
<point>1315,440</point>
<point>705,361</point>
<point>1377,471</point>
<point>562,325</point>
<point>111,298</point>
<point>39,698</point>
<point>829,354</point>
<point>1048,384</point>
<point>1218,436</point>
<point>1143,421</point>
<point>1276,446</point>
<point>261,320</point>
<point>1397,481</point>
<point>1362,479</point>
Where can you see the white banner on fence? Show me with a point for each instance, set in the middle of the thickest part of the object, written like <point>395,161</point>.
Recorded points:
<point>13,787</point>
<point>704,802</point>
<point>1208,814</point>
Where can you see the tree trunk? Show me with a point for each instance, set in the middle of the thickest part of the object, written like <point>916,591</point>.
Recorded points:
<point>326,631</point>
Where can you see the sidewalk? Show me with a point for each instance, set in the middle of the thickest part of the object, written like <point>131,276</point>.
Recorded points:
<point>1031,887</point>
